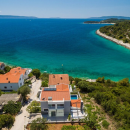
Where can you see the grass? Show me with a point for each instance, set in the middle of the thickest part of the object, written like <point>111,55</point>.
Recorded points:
<point>105,124</point>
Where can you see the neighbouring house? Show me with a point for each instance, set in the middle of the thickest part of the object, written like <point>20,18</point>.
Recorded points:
<point>2,66</point>
<point>13,79</point>
<point>55,79</point>
<point>56,100</point>
<point>23,71</point>
<point>4,98</point>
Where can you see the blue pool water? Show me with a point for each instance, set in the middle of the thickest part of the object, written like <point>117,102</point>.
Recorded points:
<point>73,97</point>
<point>46,44</point>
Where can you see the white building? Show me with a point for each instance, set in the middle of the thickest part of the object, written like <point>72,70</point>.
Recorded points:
<point>2,66</point>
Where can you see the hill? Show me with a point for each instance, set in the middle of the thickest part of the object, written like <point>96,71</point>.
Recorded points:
<point>111,20</point>
<point>16,17</point>
<point>109,17</point>
<point>120,31</point>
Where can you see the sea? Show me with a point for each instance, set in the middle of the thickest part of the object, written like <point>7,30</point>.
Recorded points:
<point>62,46</point>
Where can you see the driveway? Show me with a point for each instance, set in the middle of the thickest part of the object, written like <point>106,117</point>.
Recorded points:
<point>21,119</point>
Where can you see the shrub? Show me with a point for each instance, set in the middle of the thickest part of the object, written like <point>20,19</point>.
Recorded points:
<point>45,83</point>
<point>7,69</point>
<point>105,124</point>
<point>34,107</point>
<point>2,72</point>
<point>12,107</point>
<point>6,121</point>
<point>100,80</point>
<point>30,75</point>
<point>36,72</point>
<point>39,124</point>
<point>69,127</point>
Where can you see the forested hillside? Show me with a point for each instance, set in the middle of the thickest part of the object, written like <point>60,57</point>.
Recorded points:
<point>120,31</point>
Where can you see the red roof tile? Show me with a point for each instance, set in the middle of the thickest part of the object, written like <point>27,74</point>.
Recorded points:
<point>55,79</point>
<point>76,103</point>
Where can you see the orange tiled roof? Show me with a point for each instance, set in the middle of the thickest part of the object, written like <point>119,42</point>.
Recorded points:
<point>56,95</point>
<point>55,79</point>
<point>9,78</point>
<point>62,87</point>
<point>18,70</point>
<point>13,76</point>
<point>1,63</point>
<point>76,103</point>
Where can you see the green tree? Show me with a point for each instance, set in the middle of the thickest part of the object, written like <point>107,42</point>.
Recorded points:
<point>124,82</point>
<point>71,79</point>
<point>36,72</point>
<point>7,69</point>
<point>12,107</point>
<point>105,124</point>
<point>100,80</point>
<point>77,80</point>
<point>45,83</point>
<point>44,76</point>
<point>24,90</point>
<point>6,121</point>
<point>39,124</point>
<point>2,72</point>
<point>34,107</point>
<point>30,75</point>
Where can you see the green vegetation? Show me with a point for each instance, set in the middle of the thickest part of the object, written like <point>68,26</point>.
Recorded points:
<point>105,124</point>
<point>2,72</point>
<point>34,107</point>
<point>69,127</point>
<point>120,31</point>
<point>12,107</point>
<point>30,75</point>
<point>7,69</point>
<point>111,20</point>
<point>6,121</point>
<point>24,90</point>
<point>45,83</point>
<point>39,124</point>
<point>44,77</point>
<point>36,72</point>
<point>114,97</point>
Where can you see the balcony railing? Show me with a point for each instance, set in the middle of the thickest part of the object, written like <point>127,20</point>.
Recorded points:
<point>51,107</point>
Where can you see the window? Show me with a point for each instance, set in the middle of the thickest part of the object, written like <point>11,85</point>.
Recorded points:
<point>5,87</point>
<point>45,109</point>
<point>51,106</point>
<point>20,84</point>
<point>60,105</point>
<point>11,86</point>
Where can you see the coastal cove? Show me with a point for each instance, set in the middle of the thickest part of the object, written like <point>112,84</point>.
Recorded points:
<point>46,44</point>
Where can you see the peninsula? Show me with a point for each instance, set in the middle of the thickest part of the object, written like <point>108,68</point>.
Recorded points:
<point>118,33</point>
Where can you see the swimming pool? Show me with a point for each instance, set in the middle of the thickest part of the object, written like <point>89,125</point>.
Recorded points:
<point>74,97</point>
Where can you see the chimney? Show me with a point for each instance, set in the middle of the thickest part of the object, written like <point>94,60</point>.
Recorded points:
<point>6,78</point>
<point>61,78</point>
<point>53,76</point>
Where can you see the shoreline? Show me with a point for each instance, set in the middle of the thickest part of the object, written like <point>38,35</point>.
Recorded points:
<point>99,23</point>
<point>119,42</point>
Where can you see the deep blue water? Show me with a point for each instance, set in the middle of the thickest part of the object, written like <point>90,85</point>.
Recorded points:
<point>46,44</point>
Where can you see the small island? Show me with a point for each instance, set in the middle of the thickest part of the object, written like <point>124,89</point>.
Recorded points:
<point>107,21</point>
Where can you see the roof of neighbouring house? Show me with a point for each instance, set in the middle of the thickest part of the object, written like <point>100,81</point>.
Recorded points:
<point>1,63</point>
<point>18,70</point>
<point>4,98</point>
<point>76,103</point>
<point>13,76</point>
<point>55,79</point>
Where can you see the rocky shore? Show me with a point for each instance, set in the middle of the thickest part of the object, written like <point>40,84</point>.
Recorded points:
<point>119,42</point>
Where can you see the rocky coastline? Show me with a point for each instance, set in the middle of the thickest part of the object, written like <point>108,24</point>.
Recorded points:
<point>119,42</point>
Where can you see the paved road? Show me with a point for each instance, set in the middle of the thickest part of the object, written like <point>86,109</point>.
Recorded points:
<point>21,119</point>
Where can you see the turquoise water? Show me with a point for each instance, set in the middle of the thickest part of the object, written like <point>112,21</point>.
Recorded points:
<point>73,97</point>
<point>46,44</point>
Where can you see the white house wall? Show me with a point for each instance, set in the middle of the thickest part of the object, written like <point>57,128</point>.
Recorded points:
<point>14,87</point>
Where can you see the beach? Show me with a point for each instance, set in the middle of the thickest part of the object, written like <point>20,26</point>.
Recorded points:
<point>119,42</point>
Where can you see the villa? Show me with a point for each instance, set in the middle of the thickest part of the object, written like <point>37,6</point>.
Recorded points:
<point>57,101</point>
<point>13,79</point>
<point>2,66</point>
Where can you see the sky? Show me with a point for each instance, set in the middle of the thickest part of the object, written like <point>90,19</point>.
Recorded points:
<point>65,8</point>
